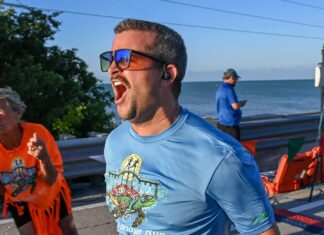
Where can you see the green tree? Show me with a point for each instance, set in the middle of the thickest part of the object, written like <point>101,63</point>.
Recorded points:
<point>54,83</point>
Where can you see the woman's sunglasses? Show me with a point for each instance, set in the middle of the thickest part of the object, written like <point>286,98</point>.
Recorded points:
<point>124,59</point>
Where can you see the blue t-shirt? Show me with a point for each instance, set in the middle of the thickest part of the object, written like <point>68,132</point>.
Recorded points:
<point>225,97</point>
<point>188,179</point>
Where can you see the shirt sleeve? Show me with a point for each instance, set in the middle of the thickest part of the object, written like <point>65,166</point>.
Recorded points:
<point>232,98</point>
<point>236,186</point>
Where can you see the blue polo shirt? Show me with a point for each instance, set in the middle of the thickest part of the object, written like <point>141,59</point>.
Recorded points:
<point>225,97</point>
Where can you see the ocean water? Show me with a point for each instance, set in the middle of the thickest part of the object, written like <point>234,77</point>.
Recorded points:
<point>263,97</point>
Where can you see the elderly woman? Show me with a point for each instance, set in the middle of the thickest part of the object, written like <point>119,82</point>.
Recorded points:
<point>35,192</point>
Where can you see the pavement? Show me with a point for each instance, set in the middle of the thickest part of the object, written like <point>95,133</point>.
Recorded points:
<point>295,215</point>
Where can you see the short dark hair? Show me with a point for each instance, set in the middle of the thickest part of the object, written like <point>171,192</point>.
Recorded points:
<point>168,46</point>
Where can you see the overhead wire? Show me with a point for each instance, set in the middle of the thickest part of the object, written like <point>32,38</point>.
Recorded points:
<point>20,2</point>
<point>303,4</point>
<point>168,23</point>
<point>62,11</point>
<point>242,14</point>
<point>243,31</point>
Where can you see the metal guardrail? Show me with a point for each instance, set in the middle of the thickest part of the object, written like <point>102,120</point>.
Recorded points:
<point>279,129</point>
<point>77,153</point>
<point>273,133</point>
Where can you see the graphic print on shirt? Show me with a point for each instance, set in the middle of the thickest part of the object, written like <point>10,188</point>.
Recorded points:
<point>130,196</point>
<point>19,178</point>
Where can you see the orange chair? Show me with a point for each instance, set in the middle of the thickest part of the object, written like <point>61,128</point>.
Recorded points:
<point>309,177</point>
<point>250,145</point>
<point>291,175</point>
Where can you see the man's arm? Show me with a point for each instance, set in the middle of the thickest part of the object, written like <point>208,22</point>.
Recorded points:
<point>237,188</point>
<point>235,106</point>
<point>274,230</point>
<point>238,104</point>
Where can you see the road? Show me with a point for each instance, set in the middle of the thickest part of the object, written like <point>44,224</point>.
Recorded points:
<point>92,217</point>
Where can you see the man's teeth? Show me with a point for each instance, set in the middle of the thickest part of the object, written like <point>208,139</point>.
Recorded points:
<point>117,83</point>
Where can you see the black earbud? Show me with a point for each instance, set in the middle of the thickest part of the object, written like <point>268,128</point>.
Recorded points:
<point>166,75</point>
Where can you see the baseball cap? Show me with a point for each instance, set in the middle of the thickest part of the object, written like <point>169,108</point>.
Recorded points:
<point>231,72</point>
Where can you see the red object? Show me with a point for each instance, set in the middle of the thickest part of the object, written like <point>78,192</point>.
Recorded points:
<point>250,145</point>
<point>322,160</point>
<point>291,175</point>
<point>300,220</point>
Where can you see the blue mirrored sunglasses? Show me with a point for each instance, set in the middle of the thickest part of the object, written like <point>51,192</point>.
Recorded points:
<point>122,58</point>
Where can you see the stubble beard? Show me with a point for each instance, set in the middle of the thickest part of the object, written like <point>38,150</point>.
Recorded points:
<point>135,115</point>
<point>130,113</point>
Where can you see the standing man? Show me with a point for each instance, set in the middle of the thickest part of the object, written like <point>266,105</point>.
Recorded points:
<point>168,171</point>
<point>227,106</point>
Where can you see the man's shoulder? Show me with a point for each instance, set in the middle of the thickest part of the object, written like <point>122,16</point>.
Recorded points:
<point>227,86</point>
<point>202,128</point>
<point>119,130</point>
<point>224,87</point>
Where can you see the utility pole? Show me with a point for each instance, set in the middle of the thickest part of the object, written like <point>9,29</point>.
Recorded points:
<point>322,56</point>
<point>319,82</point>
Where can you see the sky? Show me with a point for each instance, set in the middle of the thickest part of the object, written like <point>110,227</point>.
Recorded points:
<point>262,40</point>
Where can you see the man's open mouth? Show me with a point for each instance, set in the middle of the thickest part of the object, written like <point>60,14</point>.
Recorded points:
<point>119,89</point>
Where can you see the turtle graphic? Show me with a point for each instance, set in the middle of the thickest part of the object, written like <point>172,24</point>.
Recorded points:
<point>128,201</point>
<point>19,179</point>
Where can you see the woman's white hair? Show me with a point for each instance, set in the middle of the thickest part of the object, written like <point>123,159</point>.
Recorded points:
<point>12,100</point>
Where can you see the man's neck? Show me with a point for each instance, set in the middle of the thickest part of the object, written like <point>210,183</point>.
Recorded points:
<point>162,120</point>
<point>228,83</point>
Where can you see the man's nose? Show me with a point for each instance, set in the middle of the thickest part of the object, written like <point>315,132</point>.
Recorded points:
<point>113,69</point>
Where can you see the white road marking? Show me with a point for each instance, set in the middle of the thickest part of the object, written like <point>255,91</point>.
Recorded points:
<point>307,206</point>
<point>80,208</point>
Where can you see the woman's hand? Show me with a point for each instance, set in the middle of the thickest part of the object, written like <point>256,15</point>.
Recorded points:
<point>37,148</point>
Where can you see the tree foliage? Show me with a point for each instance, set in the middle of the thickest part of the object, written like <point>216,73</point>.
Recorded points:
<point>54,83</point>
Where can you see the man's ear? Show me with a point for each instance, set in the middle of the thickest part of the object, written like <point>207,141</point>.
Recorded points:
<point>170,72</point>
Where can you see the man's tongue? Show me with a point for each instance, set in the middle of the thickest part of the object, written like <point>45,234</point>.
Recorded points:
<point>120,91</point>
